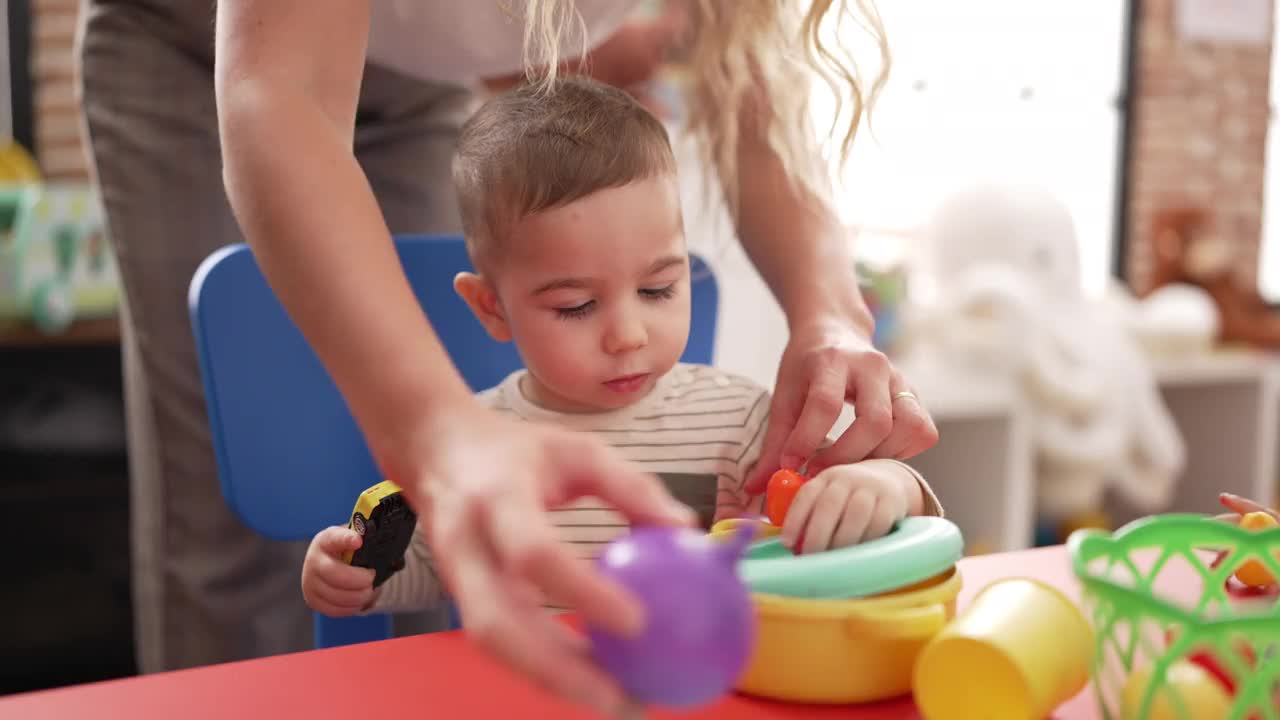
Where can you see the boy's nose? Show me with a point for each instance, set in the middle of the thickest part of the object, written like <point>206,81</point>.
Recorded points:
<point>625,335</point>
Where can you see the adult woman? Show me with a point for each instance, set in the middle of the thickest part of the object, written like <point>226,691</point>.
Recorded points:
<point>295,81</point>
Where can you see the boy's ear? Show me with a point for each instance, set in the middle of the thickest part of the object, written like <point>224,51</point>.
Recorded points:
<point>483,301</point>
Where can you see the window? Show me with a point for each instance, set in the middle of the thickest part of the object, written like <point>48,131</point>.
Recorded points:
<point>1269,253</point>
<point>1023,90</point>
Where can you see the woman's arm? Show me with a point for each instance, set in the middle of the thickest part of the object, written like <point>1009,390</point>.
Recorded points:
<point>288,77</point>
<point>796,242</point>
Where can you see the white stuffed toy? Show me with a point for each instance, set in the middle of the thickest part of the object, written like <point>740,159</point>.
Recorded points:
<point>1009,302</point>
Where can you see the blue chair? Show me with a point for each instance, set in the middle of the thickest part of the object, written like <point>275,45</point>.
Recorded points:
<point>291,459</point>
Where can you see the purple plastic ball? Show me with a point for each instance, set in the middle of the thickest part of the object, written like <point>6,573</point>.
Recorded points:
<point>700,625</point>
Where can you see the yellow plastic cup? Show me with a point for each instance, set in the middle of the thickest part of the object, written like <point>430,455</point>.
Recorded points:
<point>1020,650</point>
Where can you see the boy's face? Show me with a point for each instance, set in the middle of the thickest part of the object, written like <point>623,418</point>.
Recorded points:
<point>595,295</point>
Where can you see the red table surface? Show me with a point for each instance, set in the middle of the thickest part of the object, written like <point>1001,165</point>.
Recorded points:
<point>443,675</point>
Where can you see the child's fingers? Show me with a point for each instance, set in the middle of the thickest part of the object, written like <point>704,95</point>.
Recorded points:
<point>793,528</point>
<point>340,601</point>
<point>323,596</point>
<point>882,519</point>
<point>857,517</point>
<point>338,540</point>
<point>343,576</point>
<point>827,511</point>
<point>1244,506</point>
<point>335,611</point>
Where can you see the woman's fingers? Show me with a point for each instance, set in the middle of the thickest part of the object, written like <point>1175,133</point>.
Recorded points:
<point>590,468</point>
<point>913,430</point>
<point>823,401</point>
<point>528,548</point>
<point>518,633</point>
<point>869,376</point>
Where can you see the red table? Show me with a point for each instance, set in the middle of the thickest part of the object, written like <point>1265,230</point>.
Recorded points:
<point>440,676</point>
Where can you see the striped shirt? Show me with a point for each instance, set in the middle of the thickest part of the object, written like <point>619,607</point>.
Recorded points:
<point>700,430</point>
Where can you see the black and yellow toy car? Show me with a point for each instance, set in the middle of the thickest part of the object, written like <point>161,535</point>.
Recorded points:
<point>386,523</point>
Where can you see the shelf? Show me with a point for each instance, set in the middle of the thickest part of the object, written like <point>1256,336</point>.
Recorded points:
<point>952,395</point>
<point>973,399</point>
<point>1225,366</point>
<point>93,332</point>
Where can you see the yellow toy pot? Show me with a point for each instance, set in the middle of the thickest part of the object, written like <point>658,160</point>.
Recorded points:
<point>846,650</point>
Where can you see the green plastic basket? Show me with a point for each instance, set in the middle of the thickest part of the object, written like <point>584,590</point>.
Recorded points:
<point>1159,592</point>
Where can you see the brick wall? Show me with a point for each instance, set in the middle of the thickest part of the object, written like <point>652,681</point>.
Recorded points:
<point>1200,133</point>
<point>59,149</point>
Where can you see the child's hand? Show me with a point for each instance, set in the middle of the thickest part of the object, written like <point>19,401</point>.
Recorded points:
<point>1240,507</point>
<point>845,505</point>
<point>329,585</point>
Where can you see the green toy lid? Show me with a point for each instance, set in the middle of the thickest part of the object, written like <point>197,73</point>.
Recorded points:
<point>917,549</point>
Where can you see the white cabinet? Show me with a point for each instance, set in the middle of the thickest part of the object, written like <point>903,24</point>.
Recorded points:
<point>1225,405</point>
<point>982,466</point>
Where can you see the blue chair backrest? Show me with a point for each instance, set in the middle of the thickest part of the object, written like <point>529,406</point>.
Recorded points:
<point>291,459</point>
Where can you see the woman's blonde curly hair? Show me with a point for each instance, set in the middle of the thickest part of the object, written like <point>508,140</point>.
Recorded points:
<point>752,64</point>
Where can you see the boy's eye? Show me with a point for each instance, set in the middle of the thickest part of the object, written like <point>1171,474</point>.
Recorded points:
<point>661,293</point>
<point>576,311</point>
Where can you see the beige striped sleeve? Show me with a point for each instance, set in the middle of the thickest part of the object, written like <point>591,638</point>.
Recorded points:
<point>416,587</point>
<point>753,436</point>
<point>732,499</point>
<point>932,506</point>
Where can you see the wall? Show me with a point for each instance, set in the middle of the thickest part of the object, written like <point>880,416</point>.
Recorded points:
<point>1199,136</point>
<point>1200,122</point>
<point>751,330</point>
<point>58,144</point>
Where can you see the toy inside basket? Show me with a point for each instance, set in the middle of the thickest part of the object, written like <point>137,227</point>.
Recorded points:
<point>1176,635</point>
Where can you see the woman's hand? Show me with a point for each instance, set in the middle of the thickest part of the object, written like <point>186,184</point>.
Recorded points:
<point>483,498</point>
<point>826,363</point>
<point>804,255</point>
<point>1240,507</point>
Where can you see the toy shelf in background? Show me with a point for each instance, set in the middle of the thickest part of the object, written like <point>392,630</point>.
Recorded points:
<point>884,289</point>
<point>55,265</point>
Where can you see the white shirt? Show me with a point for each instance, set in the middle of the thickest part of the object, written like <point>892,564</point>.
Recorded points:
<point>462,41</point>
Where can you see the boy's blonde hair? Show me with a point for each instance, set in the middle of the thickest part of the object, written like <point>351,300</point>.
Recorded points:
<point>537,148</point>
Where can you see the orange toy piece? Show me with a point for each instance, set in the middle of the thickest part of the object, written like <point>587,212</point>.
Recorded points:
<point>783,486</point>
<point>1253,573</point>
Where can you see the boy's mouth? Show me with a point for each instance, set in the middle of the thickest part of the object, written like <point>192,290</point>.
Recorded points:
<point>627,383</point>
